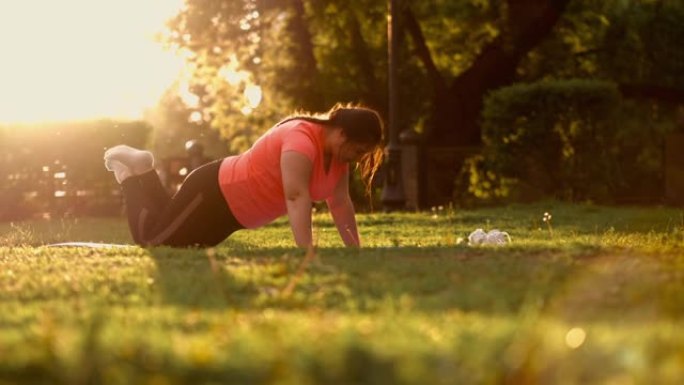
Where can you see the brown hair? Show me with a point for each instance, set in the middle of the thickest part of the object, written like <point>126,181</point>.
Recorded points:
<point>360,125</point>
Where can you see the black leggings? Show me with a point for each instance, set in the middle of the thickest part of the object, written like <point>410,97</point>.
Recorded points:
<point>196,216</point>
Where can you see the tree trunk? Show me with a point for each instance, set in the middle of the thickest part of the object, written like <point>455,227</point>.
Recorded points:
<point>362,57</point>
<point>457,106</point>
<point>305,74</point>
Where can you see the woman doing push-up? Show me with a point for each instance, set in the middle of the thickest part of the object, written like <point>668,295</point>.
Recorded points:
<point>302,159</point>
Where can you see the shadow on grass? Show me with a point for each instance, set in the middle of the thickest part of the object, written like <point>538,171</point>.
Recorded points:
<point>498,282</point>
<point>191,278</point>
<point>430,280</point>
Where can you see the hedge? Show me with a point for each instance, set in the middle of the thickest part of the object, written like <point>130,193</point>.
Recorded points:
<point>571,140</point>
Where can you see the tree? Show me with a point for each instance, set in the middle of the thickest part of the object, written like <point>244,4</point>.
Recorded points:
<point>628,42</point>
<point>457,102</point>
<point>174,122</point>
<point>298,52</point>
<point>309,54</point>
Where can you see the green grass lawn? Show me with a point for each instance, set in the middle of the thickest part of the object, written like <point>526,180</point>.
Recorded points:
<point>595,296</point>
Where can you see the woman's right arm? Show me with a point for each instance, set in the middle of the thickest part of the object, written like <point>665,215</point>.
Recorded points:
<point>296,171</point>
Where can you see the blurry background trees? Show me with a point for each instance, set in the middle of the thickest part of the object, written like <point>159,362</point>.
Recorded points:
<point>483,74</point>
<point>56,169</point>
<point>309,54</point>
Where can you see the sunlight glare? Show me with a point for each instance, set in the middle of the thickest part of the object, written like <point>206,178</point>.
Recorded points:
<point>232,76</point>
<point>195,117</point>
<point>253,95</point>
<point>189,99</point>
<point>83,59</point>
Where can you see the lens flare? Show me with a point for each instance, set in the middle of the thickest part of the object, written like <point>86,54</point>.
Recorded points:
<point>575,338</point>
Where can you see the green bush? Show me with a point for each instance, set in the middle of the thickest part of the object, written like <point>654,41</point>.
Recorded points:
<point>573,140</point>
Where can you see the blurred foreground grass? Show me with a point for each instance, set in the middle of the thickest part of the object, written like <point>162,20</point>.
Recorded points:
<point>594,296</point>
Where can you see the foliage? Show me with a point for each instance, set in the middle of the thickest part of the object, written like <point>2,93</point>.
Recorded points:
<point>550,139</point>
<point>171,129</point>
<point>638,44</point>
<point>630,44</point>
<point>572,140</point>
<point>311,54</point>
<point>625,41</point>
<point>599,300</point>
<point>38,160</point>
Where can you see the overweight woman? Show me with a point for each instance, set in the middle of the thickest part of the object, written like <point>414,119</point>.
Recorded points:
<point>302,159</point>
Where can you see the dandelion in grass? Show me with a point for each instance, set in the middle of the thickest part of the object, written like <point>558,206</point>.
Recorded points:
<point>547,219</point>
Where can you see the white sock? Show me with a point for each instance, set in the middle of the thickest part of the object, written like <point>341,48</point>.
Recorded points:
<point>137,161</point>
<point>120,170</point>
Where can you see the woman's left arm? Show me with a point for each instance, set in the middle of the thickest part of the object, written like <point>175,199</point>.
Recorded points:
<point>342,210</point>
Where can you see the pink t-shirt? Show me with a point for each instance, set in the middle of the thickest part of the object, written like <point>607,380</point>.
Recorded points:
<point>252,182</point>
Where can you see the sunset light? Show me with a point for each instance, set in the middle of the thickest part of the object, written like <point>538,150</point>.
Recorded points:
<point>83,59</point>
